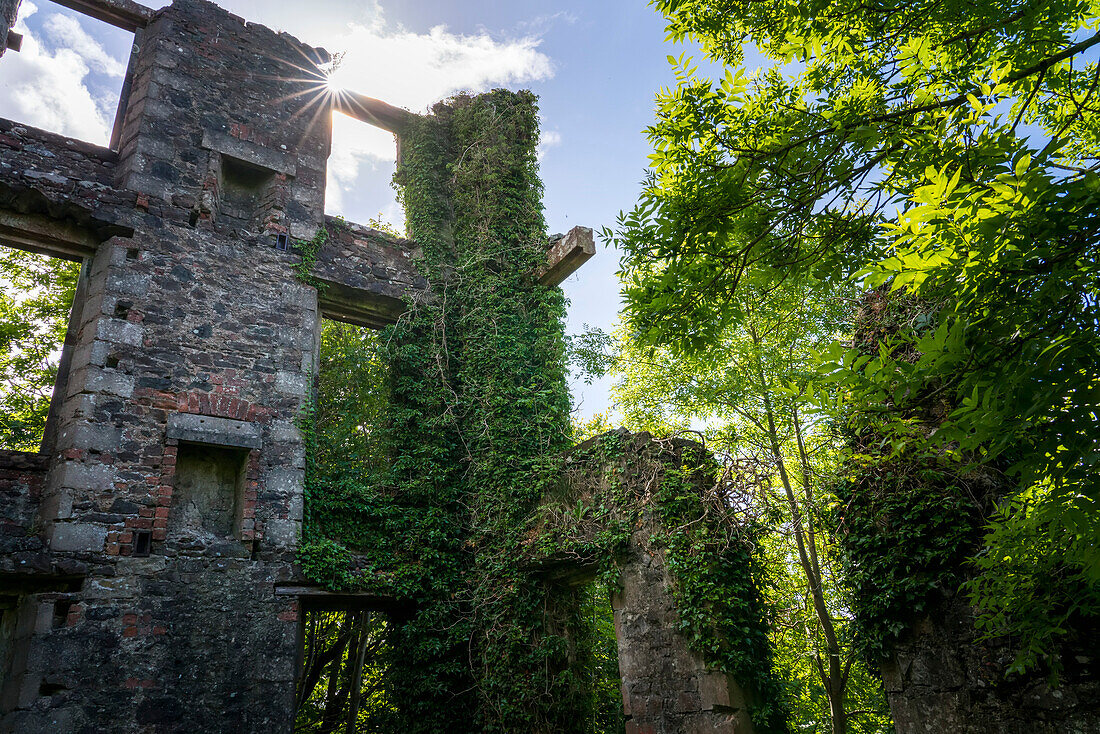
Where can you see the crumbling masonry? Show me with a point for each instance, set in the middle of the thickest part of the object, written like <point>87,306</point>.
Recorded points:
<point>147,577</point>
<point>147,553</point>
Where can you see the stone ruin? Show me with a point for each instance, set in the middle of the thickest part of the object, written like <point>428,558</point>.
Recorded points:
<point>147,575</point>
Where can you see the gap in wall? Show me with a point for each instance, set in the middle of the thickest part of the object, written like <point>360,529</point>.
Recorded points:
<point>36,299</point>
<point>68,76</point>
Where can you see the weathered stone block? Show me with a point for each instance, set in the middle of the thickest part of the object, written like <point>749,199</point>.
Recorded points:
<point>282,533</point>
<point>285,481</point>
<point>214,431</point>
<point>105,381</point>
<point>74,536</point>
<point>119,332</point>
<point>89,436</point>
<point>291,383</point>
<point>80,476</point>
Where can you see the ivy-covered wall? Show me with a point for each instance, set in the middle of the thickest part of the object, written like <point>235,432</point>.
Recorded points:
<point>476,410</point>
<point>913,531</point>
<point>433,490</point>
<point>650,517</point>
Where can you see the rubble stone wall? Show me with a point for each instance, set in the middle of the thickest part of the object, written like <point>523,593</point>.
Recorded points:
<point>135,598</point>
<point>941,678</point>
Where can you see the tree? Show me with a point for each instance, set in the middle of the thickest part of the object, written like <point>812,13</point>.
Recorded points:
<point>34,315</point>
<point>947,152</point>
<point>758,408</point>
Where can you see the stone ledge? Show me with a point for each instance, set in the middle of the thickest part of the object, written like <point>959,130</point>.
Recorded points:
<point>214,431</point>
<point>242,150</point>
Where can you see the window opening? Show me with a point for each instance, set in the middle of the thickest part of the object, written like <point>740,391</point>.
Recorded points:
<point>346,448</point>
<point>599,658</point>
<point>361,167</point>
<point>36,300</point>
<point>343,675</point>
<point>69,74</point>
<point>143,543</point>
<point>61,609</point>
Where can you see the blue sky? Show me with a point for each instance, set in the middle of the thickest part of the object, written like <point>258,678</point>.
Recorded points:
<point>595,65</point>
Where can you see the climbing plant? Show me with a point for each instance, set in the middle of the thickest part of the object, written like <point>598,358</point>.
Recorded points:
<point>428,488</point>
<point>476,406</point>
<point>944,152</point>
<point>668,496</point>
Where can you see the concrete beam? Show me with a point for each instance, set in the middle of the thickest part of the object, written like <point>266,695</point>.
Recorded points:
<point>566,256</point>
<point>372,111</point>
<point>124,14</point>
<point>358,307</point>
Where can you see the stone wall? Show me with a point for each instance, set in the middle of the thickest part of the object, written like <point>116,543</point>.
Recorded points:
<point>941,678</point>
<point>667,687</point>
<point>22,477</point>
<point>8,11</point>
<point>141,557</point>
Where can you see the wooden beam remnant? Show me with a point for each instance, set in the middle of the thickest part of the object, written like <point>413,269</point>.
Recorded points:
<point>315,597</point>
<point>566,255</point>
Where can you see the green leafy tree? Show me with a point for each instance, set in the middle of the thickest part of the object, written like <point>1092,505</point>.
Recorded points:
<point>757,405</point>
<point>35,301</point>
<point>946,151</point>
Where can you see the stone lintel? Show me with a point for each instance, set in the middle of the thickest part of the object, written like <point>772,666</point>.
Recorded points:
<point>46,236</point>
<point>566,256</point>
<point>242,150</point>
<point>361,308</point>
<point>207,429</point>
<point>318,598</point>
<point>371,111</point>
<point>124,14</point>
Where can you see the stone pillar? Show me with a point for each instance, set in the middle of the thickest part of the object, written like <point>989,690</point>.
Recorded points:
<point>667,688</point>
<point>9,10</point>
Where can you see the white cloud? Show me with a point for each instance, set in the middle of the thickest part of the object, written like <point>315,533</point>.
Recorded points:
<point>413,70</point>
<point>46,89</point>
<point>548,139</point>
<point>66,32</point>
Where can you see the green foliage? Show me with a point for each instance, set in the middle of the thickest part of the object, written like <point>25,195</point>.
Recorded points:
<point>945,151</point>
<point>719,576</point>
<point>671,489</point>
<point>473,409</point>
<point>602,681</point>
<point>754,396</point>
<point>908,528</point>
<point>308,250</point>
<point>426,488</point>
<point>342,682</point>
<point>34,310</point>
